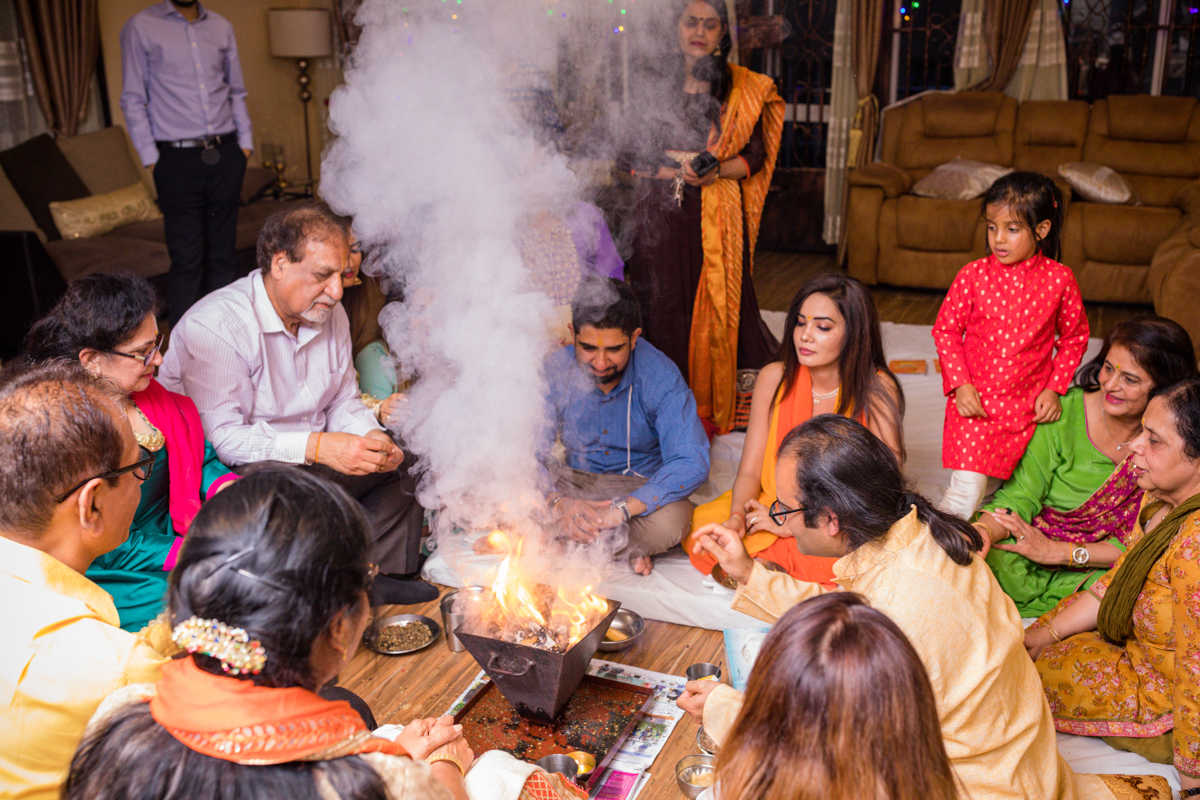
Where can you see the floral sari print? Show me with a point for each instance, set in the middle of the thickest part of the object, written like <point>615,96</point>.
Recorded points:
<point>1150,685</point>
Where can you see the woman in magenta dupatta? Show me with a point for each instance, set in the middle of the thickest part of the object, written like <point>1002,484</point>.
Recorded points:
<point>108,323</point>
<point>1074,485</point>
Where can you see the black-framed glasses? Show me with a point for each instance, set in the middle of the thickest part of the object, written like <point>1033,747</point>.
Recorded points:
<point>146,359</point>
<point>140,469</point>
<point>778,512</point>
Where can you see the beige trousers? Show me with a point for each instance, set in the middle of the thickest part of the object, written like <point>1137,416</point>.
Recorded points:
<point>649,534</point>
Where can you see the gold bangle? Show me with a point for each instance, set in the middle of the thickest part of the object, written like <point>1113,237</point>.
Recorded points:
<point>317,453</point>
<point>1053,632</point>
<point>450,757</point>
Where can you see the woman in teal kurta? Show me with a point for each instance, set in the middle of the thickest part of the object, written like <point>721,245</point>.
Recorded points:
<point>108,323</point>
<point>1073,484</point>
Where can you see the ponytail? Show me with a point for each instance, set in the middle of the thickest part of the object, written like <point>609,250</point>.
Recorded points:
<point>955,535</point>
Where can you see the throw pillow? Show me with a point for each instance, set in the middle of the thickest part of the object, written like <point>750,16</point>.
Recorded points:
<point>101,213</point>
<point>960,179</point>
<point>41,174</point>
<point>1099,183</point>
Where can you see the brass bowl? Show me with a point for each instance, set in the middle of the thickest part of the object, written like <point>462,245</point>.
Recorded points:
<point>627,622</point>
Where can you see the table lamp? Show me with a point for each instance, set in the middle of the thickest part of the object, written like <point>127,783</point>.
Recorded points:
<point>302,34</point>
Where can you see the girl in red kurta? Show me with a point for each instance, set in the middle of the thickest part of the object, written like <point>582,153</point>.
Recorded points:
<point>1010,334</point>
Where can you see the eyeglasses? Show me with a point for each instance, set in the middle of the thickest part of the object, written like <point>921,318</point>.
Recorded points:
<point>146,359</point>
<point>140,469</point>
<point>778,512</point>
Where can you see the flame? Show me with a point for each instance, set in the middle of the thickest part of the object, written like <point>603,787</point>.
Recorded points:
<point>565,615</point>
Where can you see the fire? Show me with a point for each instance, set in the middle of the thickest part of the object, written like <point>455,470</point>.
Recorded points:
<point>527,612</point>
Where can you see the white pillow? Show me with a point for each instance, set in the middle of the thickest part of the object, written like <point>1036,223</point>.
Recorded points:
<point>960,179</point>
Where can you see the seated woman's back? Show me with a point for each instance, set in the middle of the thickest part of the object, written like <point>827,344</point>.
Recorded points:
<point>269,598</point>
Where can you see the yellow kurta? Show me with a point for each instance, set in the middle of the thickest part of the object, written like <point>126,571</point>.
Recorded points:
<point>1152,684</point>
<point>63,653</point>
<point>996,725</point>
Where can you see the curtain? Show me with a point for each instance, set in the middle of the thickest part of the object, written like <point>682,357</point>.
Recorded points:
<point>1041,73</point>
<point>842,103</point>
<point>1005,27</point>
<point>970,49</point>
<point>62,38</point>
<point>857,31</point>
<point>347,30</point>
<point>20,118</point>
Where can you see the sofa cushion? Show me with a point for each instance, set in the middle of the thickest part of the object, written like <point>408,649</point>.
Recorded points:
<point>150,230</point>
<point>102,158</point>
<point>940,127</point>
<point>1144,139</point>
<point>1147,118</point>
<point>1099,184</point>
<point>78,257</point>
<point>943,226</point>
<point>1121,234</point>
<point>41,174</point>
<point>959,179</point>
<point>101,213</point>
<point>1049,133</point>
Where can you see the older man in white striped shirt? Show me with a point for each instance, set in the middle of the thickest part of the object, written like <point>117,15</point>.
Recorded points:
<point>268,362</point>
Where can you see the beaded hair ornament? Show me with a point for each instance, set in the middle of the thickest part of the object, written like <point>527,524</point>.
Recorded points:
<point>238,653</point>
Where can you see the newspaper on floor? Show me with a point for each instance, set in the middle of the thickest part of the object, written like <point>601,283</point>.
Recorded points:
<point>620,782</point>
<point>647,740</point>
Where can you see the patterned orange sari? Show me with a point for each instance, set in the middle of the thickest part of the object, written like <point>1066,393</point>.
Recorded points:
<point>730,210</point>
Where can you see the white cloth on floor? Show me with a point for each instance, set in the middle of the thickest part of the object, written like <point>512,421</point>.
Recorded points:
<point>496,775</point>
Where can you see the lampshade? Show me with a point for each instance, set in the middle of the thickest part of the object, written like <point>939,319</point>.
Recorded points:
<point>299,32</point>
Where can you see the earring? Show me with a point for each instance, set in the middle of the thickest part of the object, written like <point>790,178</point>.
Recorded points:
<point>717,53</point>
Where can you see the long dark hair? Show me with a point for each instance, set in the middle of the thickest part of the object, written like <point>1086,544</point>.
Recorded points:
<point>98,311</point>
<point>304,541</point>
<point>861,359</point>
<point>1159,345</point>
<point>838,707</point>
<point>843,468</point>
<point>1032,198</point>
<point>278,553</point>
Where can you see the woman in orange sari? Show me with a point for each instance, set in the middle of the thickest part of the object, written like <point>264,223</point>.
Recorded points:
<point>695,231</point>
<point>830,361</point>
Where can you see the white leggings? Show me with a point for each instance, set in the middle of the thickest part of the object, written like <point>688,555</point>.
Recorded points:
<point>965,493</point>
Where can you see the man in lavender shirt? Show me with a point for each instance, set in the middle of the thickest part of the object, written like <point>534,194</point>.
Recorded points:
<point>185,106</point>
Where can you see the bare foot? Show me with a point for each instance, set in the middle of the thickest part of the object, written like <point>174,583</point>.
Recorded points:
<point>642,565</point>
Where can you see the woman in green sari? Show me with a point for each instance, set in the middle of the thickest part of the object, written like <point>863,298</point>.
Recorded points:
<point>1074,485</point>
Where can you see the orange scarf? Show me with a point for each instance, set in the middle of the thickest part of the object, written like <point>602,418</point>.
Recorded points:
<point>726,206</point>
<point>234,720</point>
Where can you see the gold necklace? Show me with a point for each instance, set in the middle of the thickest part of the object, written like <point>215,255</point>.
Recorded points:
<point>153,441</point>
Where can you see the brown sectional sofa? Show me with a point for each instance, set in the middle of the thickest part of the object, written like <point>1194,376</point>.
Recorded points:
<point>1120,253</point>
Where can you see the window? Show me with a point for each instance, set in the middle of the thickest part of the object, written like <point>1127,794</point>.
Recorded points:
<point>1131,47</point>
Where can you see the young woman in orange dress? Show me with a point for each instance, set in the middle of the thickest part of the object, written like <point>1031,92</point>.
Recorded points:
<point>831,361</point>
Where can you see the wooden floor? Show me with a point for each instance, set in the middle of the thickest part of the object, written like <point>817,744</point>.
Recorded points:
<point>778,276</point>
<point>402,688</point>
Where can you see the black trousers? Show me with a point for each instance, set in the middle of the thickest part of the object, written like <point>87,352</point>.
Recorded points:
<point>389,500</point>
<point>199,202</point>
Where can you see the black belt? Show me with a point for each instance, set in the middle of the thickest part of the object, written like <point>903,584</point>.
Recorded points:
<point>207,141</point>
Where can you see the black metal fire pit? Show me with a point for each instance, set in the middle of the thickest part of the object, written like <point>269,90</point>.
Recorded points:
<point>537,682</point>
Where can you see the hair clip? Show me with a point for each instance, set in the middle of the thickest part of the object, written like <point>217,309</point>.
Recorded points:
<point>239,655</point>
<point>245,573</point>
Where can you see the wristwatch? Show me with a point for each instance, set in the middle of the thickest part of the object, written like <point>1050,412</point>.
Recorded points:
<point>620,505</point>
<point>1080,556</point>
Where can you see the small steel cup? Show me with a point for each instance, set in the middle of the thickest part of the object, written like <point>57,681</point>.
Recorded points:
<point>562,764</point>
<point>451,620</point>
<point>704,671</point>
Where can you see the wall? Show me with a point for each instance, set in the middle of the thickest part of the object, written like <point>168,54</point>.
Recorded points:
<point>272,92</point>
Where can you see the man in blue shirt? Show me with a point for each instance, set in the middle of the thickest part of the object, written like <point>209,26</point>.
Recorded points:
<point>185,106</point>
<point>635,449</point>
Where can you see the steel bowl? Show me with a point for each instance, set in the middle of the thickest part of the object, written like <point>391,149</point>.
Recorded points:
<point>692,767</point>
<point>627,622</point>
<point>560,763</point>
<point>371,636</point>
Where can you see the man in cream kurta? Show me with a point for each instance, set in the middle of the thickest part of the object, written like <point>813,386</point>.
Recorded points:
<point>995,722</point>
<point>64,651</point>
